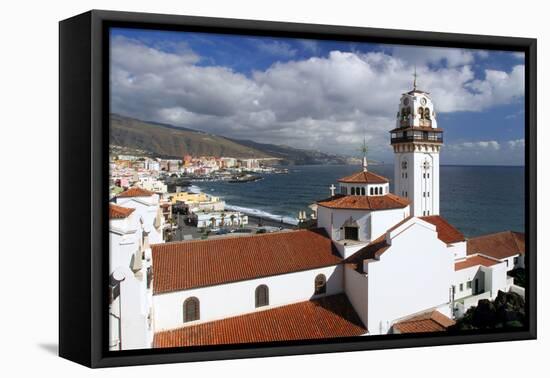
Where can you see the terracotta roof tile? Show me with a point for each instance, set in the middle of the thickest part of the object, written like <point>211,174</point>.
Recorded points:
<point>432,321</point>
<point>474,261</point>
<point>446,232</point>
<point>363,177</point>
<point>387,201</point>
<point>119,212</point>
<point>136,192</point>
<point>500,245</point>
<point>327,317</point>
<point>184,265</point>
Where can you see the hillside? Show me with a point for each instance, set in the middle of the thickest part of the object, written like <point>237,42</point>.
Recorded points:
<point>173,142</point>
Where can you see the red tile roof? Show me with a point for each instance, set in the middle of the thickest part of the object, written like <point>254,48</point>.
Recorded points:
<point>387,201</point>
<point>327,317</point>
<point>188,264</point>
<point>119,212</point>
<point>136,192</point>
<point>432,321</point>
<point>364,178</point>
<point>474,261</point>
<point>446,232</point>
<point>500,245</point>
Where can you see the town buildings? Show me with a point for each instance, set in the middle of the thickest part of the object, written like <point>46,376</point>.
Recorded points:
<point>377,262</point>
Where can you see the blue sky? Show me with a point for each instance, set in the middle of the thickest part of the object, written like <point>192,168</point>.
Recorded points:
<point>323,95</point>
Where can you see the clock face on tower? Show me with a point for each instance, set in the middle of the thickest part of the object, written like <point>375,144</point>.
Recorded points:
<point>426,165</point>
<point>404,165</point>
<point>406,101</point>
<point>423,101</point>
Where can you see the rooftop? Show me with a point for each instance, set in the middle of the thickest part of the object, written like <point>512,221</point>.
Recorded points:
<point>431,321</point>
<point>119,212</point>
<point>326,317</point>
<point>364,177</point>
<point>474,261</point>
<point>197,263</point>
<point>135,192</point>
<point>385,202</point>
<point>446,232</point>
<point>499,245</point>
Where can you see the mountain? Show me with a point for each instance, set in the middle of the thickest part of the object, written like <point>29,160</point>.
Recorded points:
<point>173,142</point>
<point>163,140</point>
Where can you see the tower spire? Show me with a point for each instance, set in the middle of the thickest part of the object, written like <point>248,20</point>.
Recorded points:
<point>415,75</point>
<point>364,149</point>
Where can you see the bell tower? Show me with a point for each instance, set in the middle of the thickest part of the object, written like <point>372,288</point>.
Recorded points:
<point>416,142</point>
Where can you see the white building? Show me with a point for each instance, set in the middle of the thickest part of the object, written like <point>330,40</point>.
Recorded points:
<point>130,291</point>
<point>152,184</point>
<point>378,263</point>
<point>146,204</point>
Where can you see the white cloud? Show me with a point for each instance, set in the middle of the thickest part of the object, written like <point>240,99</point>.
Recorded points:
<point>517,144</point>
<point>477,145</point>
<point>322,102</point>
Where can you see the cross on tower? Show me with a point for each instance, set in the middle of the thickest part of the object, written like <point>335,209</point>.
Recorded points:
<point>332,190</point>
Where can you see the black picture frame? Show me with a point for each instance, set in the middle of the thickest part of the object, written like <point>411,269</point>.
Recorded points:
<point>83,159</point>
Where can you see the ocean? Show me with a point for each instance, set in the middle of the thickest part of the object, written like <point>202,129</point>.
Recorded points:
<point>475,199</point>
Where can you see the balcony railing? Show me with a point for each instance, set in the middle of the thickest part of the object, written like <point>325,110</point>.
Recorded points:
<point>417,138</point>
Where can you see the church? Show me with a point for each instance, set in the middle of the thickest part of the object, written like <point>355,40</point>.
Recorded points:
<point>376,263</point>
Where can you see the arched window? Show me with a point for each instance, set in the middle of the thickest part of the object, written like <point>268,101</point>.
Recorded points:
<point>421,113</point>
<point>191,309</point>
<point>371,190</point>
<point>352,191</point>
<point>376,190</point>
<point>320,284</point>
<point>262,296</point>
<point>363,191</point>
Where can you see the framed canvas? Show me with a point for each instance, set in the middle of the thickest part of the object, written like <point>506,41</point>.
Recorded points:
<point>234,188</point>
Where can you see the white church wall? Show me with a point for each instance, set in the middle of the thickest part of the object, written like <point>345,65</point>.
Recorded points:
<point>356,287</point>
<point>408,279</point>
<point>458,249</point>
<point>372,224</point>
<point>382,220</point>
<point>346,249</point>
<point>237,298</point>
<point>332,220</point>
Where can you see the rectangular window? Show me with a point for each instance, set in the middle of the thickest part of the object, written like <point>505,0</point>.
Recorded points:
<point>516,260</point>
<point>461,287</point>
<point>428,194</point>
<point>507,263</point>
<point>469,284</point>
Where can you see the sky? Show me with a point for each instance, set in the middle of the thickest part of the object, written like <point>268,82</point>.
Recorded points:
<point>320,95</point>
